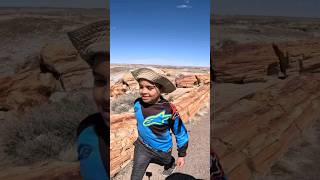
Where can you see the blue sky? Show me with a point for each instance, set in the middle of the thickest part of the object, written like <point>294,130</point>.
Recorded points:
<point>168,32</point>
<point>296,8</point>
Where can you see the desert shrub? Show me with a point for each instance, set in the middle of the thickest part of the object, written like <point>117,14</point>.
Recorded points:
<point>124,103</point>
<point>45,132</point>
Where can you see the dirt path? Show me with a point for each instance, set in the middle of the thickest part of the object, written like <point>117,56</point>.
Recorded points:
<point>197,160</point>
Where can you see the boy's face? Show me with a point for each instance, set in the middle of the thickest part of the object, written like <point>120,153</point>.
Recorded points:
<point>101,89</point>
<point>149,92</point>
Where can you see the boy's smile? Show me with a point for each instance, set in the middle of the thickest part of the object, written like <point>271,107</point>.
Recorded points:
<point>149,92</point>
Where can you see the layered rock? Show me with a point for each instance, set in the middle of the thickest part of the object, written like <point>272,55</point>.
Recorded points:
<point>254,132</point>
<point>203,78</point>
<point>186,81</point>
<point>62,60</point>
<point>252,62</point>
<point>60,69</point>
<point>25,90</point>
<point>118,89</point>
<point>128,83</point>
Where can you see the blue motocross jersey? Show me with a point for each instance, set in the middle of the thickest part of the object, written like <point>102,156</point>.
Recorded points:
<point>154,122</point>
<point>93,148</point>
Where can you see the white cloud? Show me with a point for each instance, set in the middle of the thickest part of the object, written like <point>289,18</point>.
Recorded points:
<point>184,6</point>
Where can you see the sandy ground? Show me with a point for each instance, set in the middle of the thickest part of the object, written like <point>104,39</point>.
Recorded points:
<point>197,161</point>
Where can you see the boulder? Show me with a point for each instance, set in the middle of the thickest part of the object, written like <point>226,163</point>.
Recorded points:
<point>62,61</point>
<point>186,81</point>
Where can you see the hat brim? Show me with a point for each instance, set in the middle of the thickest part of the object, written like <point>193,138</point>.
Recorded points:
<point>150,75</point>
<point>91,39</point>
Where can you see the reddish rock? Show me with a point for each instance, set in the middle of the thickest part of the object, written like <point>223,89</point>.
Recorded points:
<point>127,77</point>
<point>61,59</point>
<point>242,172</point>
<point>232,160</point>
<point>262,126</point>
<point>117,89</point>
<point>26,90</point>
<point>186,81</point>
<point>263,161</point>
<point>203,78</point>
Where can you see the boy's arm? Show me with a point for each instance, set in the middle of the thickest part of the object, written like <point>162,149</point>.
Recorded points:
<point>179,130</point>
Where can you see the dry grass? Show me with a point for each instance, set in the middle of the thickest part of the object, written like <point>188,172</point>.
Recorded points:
<point>124,103</point>
<point>48,131</point>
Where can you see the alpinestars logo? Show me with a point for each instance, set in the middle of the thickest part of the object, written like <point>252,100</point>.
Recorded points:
<point>157,119</point>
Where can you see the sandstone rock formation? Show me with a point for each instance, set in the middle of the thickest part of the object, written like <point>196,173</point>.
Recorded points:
<point>61,60</point>
<point>128,83</point>
<point>186,81</point>
<point>60,69</point>
<point>255,131</point>
<point>253,61</point>
<point>25,90</point>
<point>203,78</point>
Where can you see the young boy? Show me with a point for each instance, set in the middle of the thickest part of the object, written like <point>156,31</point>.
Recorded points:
<point>93,135</point>
<point>155,117</point>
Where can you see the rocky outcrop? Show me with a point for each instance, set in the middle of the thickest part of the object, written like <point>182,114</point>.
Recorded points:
<point>118,89</point>
<point>60,69</point>
<point>186,81</point>
<point>123,126</point>
<point>63,62</point>
<point>254,61</point>
<point>252,133</point>
<point>128,83</point>
<point>25,90</point>
<point>203,78</point>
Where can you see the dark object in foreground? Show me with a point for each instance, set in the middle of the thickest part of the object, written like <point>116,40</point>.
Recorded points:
<point>216,171</point>
<point>180,176</point>
<point>149,174</point>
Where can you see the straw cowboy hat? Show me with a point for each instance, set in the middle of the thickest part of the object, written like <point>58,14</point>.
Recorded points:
<point>91,39</point>
<point>154,75</point>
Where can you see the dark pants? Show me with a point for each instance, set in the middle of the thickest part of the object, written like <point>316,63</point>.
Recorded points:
<point>143,156</point>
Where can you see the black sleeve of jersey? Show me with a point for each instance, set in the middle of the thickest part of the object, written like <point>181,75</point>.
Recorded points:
<point>182,152</point>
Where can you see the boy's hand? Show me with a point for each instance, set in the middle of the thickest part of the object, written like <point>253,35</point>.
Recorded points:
<point>180,162</point>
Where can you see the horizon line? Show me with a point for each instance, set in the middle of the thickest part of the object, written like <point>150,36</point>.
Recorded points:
<point>261,15</point>
<point>159,65</point>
